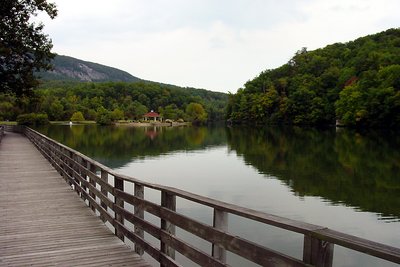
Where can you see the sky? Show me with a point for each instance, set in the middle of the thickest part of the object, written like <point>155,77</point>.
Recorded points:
<point>216,45</point>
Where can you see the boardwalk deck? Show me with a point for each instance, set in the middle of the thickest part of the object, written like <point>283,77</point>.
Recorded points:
<point>43,222</point>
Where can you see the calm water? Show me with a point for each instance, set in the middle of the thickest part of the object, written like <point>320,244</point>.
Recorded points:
<point>338,178</point>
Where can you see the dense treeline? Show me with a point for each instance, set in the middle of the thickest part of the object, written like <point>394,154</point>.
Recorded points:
<point>356,83</point>
<point>115,100</point>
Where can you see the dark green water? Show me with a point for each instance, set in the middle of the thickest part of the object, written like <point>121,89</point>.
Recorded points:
<point>338,178</point>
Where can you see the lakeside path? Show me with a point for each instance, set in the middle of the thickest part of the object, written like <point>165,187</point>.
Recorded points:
<point>44,222</point>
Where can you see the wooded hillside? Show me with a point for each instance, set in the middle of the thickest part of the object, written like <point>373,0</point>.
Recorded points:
<point>114,100</point>
<point>355,83</point>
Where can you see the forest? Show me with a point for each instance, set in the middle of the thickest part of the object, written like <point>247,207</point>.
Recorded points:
<point>353,84</point>
<point>60,100</point>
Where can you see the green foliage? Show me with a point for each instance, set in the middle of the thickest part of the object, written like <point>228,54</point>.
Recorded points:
<point>117,114</point>
<point>171,112</point>
<point>32,119</point>
<point>104,117</point>
<point>196,113</point>
<point>357,83</point>
<point>60,100</point>
<point>24,48</point>
<point>77,116</point>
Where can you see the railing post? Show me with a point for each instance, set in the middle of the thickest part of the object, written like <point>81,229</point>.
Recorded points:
<point>84,164</point>
<point>93,169</point>
<point>71,166</point>
<point>168,201</point>
<point>220,222</point>
<point>139,212</point>
<point>104,177</point>
<point>119,184</point>
<point>317,252</point>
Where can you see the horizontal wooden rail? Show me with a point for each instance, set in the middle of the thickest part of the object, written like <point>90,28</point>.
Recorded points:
<point>92,181</point>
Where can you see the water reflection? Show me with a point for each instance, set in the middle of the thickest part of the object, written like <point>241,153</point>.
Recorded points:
<point>359,170</point>
<point>343,167</point>
<point>115,146</point>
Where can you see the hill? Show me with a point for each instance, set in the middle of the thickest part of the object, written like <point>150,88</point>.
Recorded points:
<point>355,83</point>
<point>98,92</point>
<point>73,69</point>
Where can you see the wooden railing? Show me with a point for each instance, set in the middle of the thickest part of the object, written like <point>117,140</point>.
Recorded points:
<point>93,182</point>
<point>1,132</point>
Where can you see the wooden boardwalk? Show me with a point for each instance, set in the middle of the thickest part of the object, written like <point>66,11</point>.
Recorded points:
<point>44,222</point>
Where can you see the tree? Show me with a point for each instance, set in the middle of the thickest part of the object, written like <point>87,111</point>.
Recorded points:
<point>24,48</point>
<point>56,110</point>
<point>170,112</point>
<point>77,116</point>
<point>117,114</point>
<point>196,113</point>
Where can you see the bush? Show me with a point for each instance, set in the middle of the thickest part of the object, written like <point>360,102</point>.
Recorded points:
<point>104,117</point>
<point>32,119</point>
<point>77,116</point>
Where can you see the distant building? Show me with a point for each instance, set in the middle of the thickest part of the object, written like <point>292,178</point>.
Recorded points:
<point>152,116</point>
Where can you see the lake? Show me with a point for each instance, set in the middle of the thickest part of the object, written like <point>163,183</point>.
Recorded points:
<point>339,178</point>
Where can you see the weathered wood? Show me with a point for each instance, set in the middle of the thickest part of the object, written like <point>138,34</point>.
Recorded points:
<point>220,222</point>
<point>359,244</point>
<point>1,132</point>
<point>104,177</point>
<point>139,212</point>
<point>244,248</point>
<point>153,251</point>
<point>190,252</point>
<point>93,169</point>
<point>317,252</point>
<point>318,242</point>
<point>119,185</point>
<point>168,201</point>
<point>237,245</point>
<point>42,222</point>
<point>182,247</point>
<point>83,164</point>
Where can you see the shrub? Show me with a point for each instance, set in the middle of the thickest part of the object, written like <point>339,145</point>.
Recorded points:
<point>104,117</point>
<point>32,119</point>
<point>77,116</point>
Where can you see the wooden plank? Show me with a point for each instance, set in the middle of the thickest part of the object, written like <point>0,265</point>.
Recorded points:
<point>119,185</point>
<point>154,252</point>
<point>104,200</point>
<point>43,222</point>
<point>168,201</point>
<point>359,244</point>
<point>317,252</point>
<point>220,222</point>
<point>311,232</point>
<point>92,182</point>
<point>139,212</point>
<point>235,244</point>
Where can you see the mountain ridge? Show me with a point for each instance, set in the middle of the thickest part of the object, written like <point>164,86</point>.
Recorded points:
<point>68,68</point>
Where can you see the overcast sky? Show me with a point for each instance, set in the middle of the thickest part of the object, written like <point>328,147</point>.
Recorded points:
<point>212,44</point>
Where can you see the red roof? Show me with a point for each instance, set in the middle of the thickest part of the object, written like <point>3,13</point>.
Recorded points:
<point>151,114</point>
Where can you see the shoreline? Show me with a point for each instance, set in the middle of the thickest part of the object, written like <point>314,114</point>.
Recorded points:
<point>153,124</point>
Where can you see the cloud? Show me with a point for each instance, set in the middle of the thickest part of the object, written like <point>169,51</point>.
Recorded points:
<point>217,45</point>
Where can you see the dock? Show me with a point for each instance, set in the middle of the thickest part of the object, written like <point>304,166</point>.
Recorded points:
<point>44,222</point>
<point>59,207</point>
